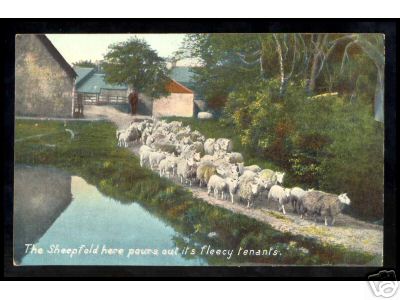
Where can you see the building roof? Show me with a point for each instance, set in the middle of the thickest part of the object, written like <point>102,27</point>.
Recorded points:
<point>175,87</point>
<point>57,55</point>
<point>83,74</point>
<point>95,83</point>
<point>182,74</point>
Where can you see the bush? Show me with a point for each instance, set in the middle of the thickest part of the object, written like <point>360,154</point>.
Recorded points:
<point>329,142</point>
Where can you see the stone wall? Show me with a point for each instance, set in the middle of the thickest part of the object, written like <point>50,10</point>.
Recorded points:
<point>42,86</point>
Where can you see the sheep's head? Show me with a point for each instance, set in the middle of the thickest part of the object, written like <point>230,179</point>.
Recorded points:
<point>287,192</point>
<point>279,177</point>
<point>344,199</point>
<point>196,156</point>
<point>255,188</point>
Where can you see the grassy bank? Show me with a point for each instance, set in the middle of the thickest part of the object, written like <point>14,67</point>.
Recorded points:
<point>93,155</point>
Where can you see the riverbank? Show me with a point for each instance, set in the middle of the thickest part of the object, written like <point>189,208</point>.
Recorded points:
<point>94,155</point>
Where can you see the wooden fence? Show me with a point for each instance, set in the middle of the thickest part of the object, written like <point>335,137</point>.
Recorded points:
<point>96,99</point>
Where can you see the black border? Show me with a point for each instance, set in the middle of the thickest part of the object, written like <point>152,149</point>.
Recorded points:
<point>11,27</point>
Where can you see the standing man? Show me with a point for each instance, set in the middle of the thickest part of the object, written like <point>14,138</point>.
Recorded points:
<point>133,99</point>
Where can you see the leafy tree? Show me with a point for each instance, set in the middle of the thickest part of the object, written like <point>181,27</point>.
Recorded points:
<point>84,64</point>
<point>134,63</point>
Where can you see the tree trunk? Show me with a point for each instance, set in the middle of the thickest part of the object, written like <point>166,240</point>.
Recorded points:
<point>281,69</point>
<point>379,96</point>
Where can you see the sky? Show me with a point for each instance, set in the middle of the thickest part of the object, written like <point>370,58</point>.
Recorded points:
<point>76,47</point>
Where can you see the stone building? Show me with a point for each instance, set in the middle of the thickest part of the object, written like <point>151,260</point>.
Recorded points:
<point>44,81</point>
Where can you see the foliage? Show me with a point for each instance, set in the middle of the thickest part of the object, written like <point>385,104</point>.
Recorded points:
<point>328,143</point>
<point>320,61</point>
<point>133,62</point>
<point>85,64</point>
<point>93,155</point>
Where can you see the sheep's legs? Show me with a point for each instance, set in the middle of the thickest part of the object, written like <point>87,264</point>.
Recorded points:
<point>232,197</point>
<point>222,195</point>
<point>283,210</point>
<point>326,221</point>
<point>333,221</point>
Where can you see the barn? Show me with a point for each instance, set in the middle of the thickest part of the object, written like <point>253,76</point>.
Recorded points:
<point>92,89</point>
<point>44,81</point>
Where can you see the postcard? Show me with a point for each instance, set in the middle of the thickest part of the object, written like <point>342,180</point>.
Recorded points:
<point>192,149</point>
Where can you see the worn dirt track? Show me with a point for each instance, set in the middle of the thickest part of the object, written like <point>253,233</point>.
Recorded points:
<point>349,232</point>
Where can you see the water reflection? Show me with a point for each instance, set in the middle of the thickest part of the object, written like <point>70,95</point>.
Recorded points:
<point>46,216</point>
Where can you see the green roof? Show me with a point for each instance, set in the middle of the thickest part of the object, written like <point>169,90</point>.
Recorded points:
<point>90,82</point>
<point>82,74</point>
<point>182,74</point>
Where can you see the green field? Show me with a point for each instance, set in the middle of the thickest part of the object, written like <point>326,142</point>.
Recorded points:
<point>94,155</point>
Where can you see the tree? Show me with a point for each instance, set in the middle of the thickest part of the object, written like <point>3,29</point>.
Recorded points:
<point>84,64</point>
<point>134,63</point>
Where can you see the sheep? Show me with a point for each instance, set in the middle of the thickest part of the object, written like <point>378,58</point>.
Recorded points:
<point>232,185</point>
<point>207,158</point>
<point>190,154</point>
<point>209,146</point>
<point>234,157</point>
<point>223,144</point>
<point>280,195</point>
<point>204,171</point>
<point>216,184</point>
<point>186,169</point>
<point>196,147</point>
<point>318,203</point>
<point>155,158</point>
<point>168,165</point>
<point>204,115</point>
<point>248,188</point>
<point>167,147</point>
<point>253,168</point>
<point>226,169</point>
<point>247,175</point>
<point>145,134</point>
<point>144,155</point>
<point>295,194</point>
<point>270,175</point>
<point>130,134</point>
<point>196,136</point>
<point>155,136</point>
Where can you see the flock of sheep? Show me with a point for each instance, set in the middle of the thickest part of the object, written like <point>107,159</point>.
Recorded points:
<point>175,150</point>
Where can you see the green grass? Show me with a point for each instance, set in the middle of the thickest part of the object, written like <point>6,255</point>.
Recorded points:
<point>94,155</point>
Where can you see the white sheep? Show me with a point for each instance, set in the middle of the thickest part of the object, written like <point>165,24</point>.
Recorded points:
<point>295,195</point>
<point>186,170</point>
<point>204,171</point>
<point>209,146</point>
<point>168,166</point>
<point>144,156</point>
<point>216,184</point>
<point>155,158</point>
<point>269,175</point>
<point>232,185</point>
<point>225,169</point>
<point>234,157</point>
<point>253,168</point>
<point>223,144</point>
<point>280,195</point>
<point>248,189</point>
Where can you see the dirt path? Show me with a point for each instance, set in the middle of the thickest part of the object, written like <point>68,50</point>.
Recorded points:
<point>348,231</point>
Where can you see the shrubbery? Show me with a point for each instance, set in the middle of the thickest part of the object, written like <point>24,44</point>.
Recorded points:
<point>329,142</point>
